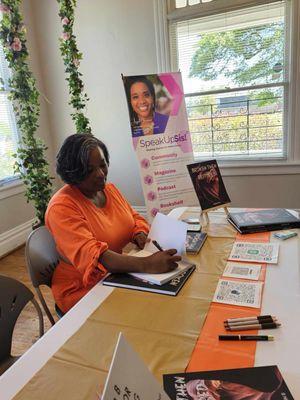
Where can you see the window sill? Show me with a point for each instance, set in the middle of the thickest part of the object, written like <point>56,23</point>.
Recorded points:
<point>243,168</point>
<point>11,189</point>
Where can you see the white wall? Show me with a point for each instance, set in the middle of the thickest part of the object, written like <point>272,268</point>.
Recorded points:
<point>115,37</point>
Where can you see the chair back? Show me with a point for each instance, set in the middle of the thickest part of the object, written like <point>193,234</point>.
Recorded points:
<point>41,256</point>
<point>42,259</point>
<point>14,296</point>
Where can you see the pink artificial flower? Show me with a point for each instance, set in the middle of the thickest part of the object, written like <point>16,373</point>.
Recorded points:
<point>65,21</point>
<point>4,8</point>
<point>66,36</point>
<point>76,62</point>
<point>16,44</point>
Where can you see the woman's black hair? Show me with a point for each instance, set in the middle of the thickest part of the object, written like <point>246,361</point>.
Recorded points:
<point>129,81</point>
<point>73,157</point>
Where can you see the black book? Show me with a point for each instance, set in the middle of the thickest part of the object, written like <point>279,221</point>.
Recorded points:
<point>194,241</point>
<point>272,219</point>
<point>208,184</point>
<point>259,383</point>
<point>170,288</point>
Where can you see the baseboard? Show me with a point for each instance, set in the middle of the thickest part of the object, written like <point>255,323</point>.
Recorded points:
<point>141,210</point>
<point>15,237</point>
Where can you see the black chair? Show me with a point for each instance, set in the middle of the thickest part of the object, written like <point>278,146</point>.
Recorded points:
<point>14,296</point>
<point>42,259</point>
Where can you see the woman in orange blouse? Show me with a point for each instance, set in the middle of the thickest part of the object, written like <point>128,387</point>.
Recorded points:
<point>91,222</point>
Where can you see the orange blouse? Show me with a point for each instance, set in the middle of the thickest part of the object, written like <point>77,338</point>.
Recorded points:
<point>82,232</point>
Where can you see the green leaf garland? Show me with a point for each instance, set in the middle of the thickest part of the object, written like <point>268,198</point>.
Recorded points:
<point>31,163</point>
<point>71,57</point>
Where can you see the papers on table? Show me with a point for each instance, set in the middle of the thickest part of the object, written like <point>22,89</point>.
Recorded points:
<point>255,252</point>
<point>239,293</point>
<point>242,270</point>
<point>243,293</point>
<point>129,377</point>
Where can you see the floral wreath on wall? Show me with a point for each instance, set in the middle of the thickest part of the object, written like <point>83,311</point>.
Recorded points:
<point>30,163</point>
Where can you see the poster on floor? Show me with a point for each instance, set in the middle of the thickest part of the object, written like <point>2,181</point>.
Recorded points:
<point>161,139</point>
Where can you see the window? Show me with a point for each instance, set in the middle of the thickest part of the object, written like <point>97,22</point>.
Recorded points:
<point>235,69</point>
<point>8,129</point>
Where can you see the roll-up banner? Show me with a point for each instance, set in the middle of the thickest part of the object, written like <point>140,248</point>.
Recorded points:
<point>161,139</point>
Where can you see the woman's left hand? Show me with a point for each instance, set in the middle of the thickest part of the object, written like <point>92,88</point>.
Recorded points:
<point>140,239</point>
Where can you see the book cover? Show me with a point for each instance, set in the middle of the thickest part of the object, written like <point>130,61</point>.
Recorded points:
<point>208,184</point>
<point>257,383</point>
<point>170,288</point>
<point>194,241</point>
<point>263,220</point>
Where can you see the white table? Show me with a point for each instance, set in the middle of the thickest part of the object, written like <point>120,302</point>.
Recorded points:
<point>281,297</point>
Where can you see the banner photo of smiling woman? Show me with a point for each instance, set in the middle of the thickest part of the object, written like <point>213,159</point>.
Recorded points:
<point>145,119</point>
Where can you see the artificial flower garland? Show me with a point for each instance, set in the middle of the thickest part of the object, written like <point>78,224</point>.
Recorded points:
<point>72,57</point>
<point>30,164</point>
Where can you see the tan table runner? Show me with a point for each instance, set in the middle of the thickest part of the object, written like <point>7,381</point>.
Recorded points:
<point>162,329</point>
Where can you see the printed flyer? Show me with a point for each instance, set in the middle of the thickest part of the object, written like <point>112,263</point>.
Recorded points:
<point>255,252</point>
<point>247,294</point>
<point>161,139</point>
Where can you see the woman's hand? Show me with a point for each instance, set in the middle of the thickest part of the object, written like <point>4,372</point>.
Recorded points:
<point>140,240</point>
<point>162,261</point>
<point>157,263</point>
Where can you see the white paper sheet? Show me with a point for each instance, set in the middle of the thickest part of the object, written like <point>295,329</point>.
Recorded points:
<point>168,232</point>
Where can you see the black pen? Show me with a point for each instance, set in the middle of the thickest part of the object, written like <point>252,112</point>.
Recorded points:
<point>247,337</point>
<point>157,245</point>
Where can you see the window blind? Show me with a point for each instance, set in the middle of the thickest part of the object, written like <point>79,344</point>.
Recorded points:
<point>234,67</point>
<point>185,3</point>
<point>186,9</point>
<point>9,136</point>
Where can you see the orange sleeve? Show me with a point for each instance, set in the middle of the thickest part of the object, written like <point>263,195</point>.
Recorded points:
<point>140,224</point>
<point>72,234</point>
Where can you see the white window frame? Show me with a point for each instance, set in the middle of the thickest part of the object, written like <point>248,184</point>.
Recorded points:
<point>13,185</point>
<point>290,165</point>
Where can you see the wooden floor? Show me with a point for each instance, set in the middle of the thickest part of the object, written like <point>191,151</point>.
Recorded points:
<point>26,331</point>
